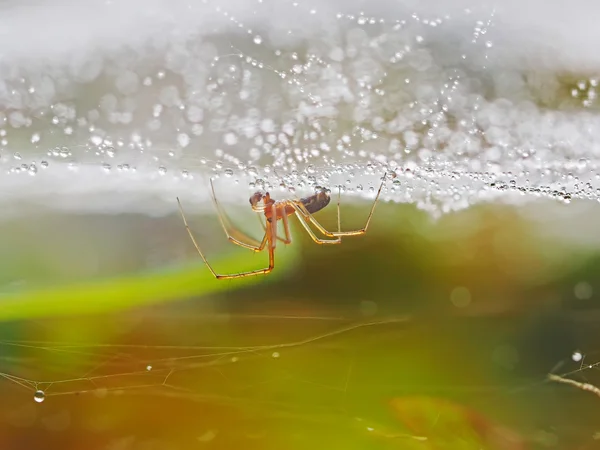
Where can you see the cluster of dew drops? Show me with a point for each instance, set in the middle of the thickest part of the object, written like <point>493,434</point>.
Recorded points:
<point>291,156</point>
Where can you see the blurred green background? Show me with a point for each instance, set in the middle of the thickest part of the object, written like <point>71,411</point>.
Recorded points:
<point>421,334</point>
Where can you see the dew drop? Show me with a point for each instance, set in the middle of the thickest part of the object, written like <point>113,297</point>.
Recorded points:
<point>228,172</point>
<point>258,39</point>
<point>148,367</point>
<point>44,164</point>
<point>577,356</point>
<point>183,140</point>
<point>230,139</point>
<point>162,170</point>
<point>39,396</point>
<point>275,355</point>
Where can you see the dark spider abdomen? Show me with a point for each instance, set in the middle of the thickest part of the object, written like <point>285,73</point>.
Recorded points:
<point>316,202</point>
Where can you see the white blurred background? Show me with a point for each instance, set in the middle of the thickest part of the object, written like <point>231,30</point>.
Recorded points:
<point>119,106</point>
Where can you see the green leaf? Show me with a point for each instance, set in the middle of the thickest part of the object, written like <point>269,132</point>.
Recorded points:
<point>139,289</point>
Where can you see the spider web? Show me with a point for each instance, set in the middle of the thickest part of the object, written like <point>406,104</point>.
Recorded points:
<point>322,377</point>
<point>325,95</point>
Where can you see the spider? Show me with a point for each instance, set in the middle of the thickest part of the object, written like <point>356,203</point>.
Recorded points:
<point>274,211</point>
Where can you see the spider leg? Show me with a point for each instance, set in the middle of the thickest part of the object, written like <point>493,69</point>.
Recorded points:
<point>299,207</point>
<point>288,237</point>
<point>266,240</point>
<point>339,216</point>
<point>233,235</point>
<point>312,234</point>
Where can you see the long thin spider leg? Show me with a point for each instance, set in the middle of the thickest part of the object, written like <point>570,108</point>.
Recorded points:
<point>308,216</point>
<point>312,234</point>
<point>273,224</point>
<point>286,230</point>
<point>338,209</point>
<point>235,275</point>
<point>286,240</point>
<point>234,235</point>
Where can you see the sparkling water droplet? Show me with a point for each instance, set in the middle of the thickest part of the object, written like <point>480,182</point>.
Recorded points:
<point>106,167</point>
<point>110,151</point>
<point>162,170</point>
<point>577,356</point>
<point>230,139</point>
<point>258,39</point>
<point>44,164</point>
<point>183,140</point>
<point>228,172</point>
<point>39,396</point>
<point>275,355</point>
<point>148,367</point>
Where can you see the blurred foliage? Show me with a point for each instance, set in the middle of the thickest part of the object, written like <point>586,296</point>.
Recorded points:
<point>420,334</point>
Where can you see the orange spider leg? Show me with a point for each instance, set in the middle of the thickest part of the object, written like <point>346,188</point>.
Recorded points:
<point>299,207</point>
<point>267,240</point>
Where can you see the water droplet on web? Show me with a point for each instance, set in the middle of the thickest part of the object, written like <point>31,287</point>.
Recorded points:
<point>39,396</point>
<point>275,355</point>
<point>258,39</point>
<point>17,156</point>
<point>230,139</point>
<point>162,170</point>
<point>110,152</point>
<point>183,140</point>
<point>44,164</point>
<point>106,167</point>
<point>148,367</point>
<point>577,356</point>
<point>228,172</point>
